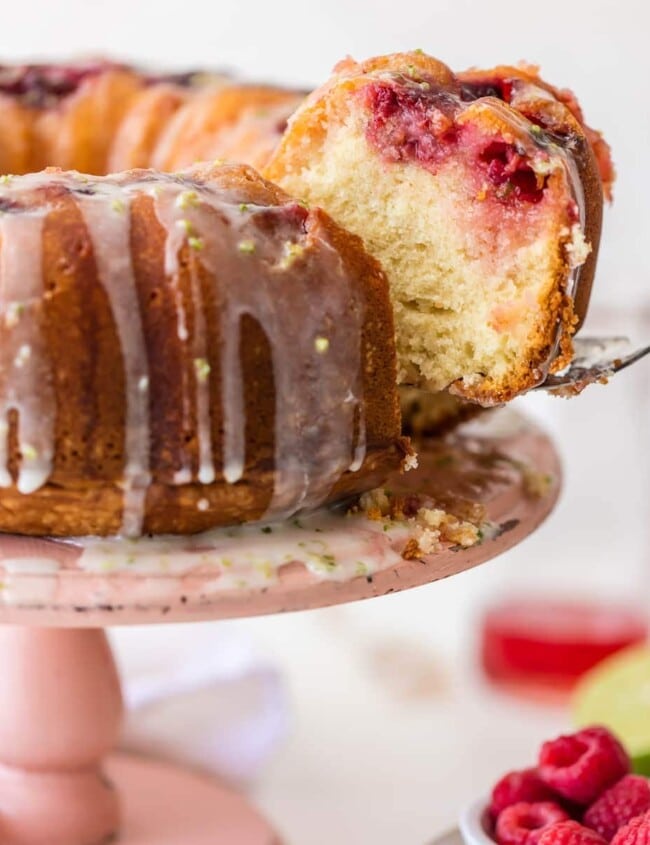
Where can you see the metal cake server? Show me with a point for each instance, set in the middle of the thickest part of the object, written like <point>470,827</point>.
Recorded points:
<point>596,359</point>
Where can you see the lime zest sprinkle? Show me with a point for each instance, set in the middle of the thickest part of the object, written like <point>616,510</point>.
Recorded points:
<point>118,205</point>
<point>23,355</point>
<point>14,312</point>
<point>6,178</point>
<point>28,451</point>
<point>321,345</point>
<point>292,251</point>
<point>187,199</point>
<point>202,369</point>
<point>265,568</point>
<point>247,247</point>
<point>196,243</point>
<point>244,206</point>
<point>185,224</point>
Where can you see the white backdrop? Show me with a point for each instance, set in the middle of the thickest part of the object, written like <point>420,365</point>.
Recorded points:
<point>363,765</point>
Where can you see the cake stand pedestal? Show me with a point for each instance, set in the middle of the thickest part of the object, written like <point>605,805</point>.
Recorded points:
<point>60,700</point>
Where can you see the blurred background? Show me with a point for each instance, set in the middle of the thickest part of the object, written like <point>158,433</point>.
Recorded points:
<point>374,723</point>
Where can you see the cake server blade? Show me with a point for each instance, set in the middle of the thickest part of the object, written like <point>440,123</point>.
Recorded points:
<point>595,359</point>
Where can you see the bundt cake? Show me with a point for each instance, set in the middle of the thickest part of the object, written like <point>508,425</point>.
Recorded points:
<point>104,117</point>
<point>481,200</point>
<point>180,351</point>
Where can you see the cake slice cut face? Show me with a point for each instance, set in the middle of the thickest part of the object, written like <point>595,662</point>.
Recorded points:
<point>477,214</point>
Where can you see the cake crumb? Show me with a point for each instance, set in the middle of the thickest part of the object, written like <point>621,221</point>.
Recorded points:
<point>430,527</point>
<point>577,248</point>
<point>410,462</point>
<point>375,504</point>
<point>536,484</point>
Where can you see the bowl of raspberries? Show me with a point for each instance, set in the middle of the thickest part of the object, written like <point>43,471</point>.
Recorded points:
<point>581,792</point>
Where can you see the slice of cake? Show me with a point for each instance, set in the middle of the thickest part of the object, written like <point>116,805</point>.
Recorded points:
<point>485,216</point>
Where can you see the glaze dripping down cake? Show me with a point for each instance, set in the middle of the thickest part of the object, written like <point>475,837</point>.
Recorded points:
<point>485,215</point>
<point>184,351</point>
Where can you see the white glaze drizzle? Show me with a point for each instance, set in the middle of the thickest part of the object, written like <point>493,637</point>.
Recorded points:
<point>314,423</point>
<point>360,445</point>
<point>175,239</point>
<point>24,367</point>
<point>206,474</point>
<point>110,231</point>
<point>171,216</point>
<point>315,416</point>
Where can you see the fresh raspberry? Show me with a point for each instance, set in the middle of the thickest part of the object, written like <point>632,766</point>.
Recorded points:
<point>569,833</point>
<point>583,765</point>
<point>635,832</point>
<point>522,823</point>
<point>628,798</point>
<point>518,786</point>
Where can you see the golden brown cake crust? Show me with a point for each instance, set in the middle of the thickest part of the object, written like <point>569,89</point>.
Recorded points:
<point>330,105</point>
<point>109,118</point>
<point>83,493</point>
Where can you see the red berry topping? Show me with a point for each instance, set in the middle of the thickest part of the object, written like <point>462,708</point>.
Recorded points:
<point>583,765</point>
<point>518,786</point>
<point>628,798</point>
<point>522,823</point>
<point>569,833</point>
<point>635,832</point>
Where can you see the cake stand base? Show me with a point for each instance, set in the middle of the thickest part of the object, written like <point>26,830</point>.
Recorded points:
<point>166,805</point>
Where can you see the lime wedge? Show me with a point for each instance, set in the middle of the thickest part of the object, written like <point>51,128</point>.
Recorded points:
<point>616,693</point>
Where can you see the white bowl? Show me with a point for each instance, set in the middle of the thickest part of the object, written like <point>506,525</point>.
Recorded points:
<point>474,824</point>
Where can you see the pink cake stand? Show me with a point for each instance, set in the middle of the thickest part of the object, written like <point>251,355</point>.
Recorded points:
<point>60,701</point>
